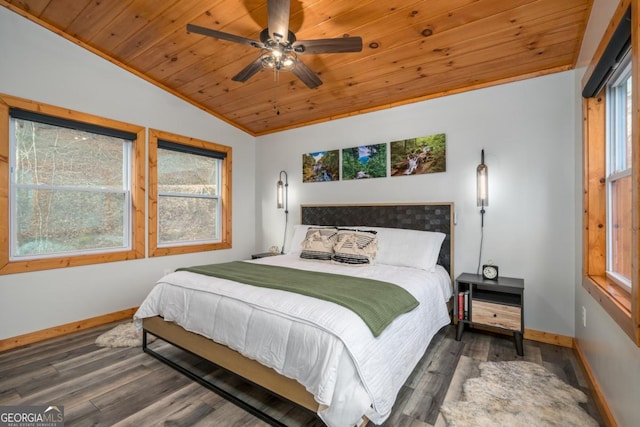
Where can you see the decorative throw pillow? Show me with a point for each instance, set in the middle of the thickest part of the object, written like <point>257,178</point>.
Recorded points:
<point>355,247</point>
<point>318,243</point>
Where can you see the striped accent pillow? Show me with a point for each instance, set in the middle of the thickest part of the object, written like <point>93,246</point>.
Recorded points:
<point>318,243</point>
<point>355,247</point>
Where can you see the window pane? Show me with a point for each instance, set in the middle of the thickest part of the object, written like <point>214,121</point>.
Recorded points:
<point>621,226</point>
<point>187,173</point>
<point>57,156</point>
<point>50,222</point>
<point>187,219</point>
<point>69,191</point>
<point>626,145</point>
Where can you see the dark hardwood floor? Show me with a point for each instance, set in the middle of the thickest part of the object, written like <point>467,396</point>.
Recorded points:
<point>126,387</point>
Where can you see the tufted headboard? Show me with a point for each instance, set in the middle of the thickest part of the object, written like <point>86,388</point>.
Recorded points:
<point>418,216</point>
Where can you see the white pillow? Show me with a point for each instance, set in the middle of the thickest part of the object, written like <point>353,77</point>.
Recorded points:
<point>408,248</point>
<point>299,234</point>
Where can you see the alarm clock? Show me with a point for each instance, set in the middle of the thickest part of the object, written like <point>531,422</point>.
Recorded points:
<point>490,272</point>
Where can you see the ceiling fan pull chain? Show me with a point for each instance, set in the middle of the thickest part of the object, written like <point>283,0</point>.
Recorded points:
<point>276,79</point>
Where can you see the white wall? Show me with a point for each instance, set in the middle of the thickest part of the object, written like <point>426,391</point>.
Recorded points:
<point>41,66</point>
<point>612,356</point>
<point>527,131</point>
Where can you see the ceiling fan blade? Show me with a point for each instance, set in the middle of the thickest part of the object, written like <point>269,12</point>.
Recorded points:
<point>305,74</point>
<point>248,71</point>
<point>278,12</point>
<point>338,45</point>
<point>223,36</point>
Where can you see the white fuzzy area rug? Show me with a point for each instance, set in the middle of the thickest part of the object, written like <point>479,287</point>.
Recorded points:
<point>124,335</point>
<point>517,394</point>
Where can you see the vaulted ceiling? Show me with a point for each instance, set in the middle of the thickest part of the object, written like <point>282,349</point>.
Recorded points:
<point>412,50</point>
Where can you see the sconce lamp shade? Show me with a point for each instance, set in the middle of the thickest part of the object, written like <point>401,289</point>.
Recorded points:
<point>482,174</point>
<point>282,192</point>
<point>280,199</point>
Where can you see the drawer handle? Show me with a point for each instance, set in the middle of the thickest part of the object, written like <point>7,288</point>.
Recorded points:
<point>495,315</point>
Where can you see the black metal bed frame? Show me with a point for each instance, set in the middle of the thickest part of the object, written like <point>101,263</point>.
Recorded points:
<point>213,387</point>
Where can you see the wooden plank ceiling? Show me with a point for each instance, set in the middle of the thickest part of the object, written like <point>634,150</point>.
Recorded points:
<point>413,50</point>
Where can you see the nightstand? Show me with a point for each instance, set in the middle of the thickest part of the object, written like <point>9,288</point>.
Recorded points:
<point>497,303</point>
<point>264,255</point>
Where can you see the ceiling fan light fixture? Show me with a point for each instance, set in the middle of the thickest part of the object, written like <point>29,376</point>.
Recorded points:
<point>278,60</point>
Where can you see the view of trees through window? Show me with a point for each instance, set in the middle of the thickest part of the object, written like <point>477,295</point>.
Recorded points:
<point>188,198</point>
<point>69,190</point>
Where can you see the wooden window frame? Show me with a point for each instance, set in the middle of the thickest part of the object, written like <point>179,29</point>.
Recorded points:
<point>137,250</point>
<point>225,195</point>
<point>622,306</point>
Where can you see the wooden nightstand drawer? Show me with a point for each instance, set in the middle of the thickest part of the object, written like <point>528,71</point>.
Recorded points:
<point>503,316</point>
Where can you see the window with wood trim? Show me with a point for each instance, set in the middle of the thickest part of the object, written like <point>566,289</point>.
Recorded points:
<point>611,165</point>
<point>71,185</point>
<point>189,195</point>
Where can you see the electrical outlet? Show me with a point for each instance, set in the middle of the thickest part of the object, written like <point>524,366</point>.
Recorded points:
<point>584,317</point>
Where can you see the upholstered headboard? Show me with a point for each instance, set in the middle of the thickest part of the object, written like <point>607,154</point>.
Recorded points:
<point>418,216</point>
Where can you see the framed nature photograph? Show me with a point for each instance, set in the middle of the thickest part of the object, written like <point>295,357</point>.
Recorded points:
<point>365,161</point>
<point>415,156</point>
<point>321,166</point>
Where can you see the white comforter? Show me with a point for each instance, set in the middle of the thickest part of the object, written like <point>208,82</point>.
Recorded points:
<point>322,345</point>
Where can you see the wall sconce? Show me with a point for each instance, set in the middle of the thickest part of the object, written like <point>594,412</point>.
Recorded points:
<point>482,176</point>
<point>282,200</point>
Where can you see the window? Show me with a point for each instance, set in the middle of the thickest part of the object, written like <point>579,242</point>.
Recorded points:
<point>189,197</point>
<point>71,188</point>
<point>611,164</point>
<point>619,212</point>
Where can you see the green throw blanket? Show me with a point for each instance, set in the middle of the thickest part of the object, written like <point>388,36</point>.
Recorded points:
<point>376,302</point>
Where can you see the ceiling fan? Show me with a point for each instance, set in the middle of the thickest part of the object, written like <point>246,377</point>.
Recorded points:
<point>280,47</point>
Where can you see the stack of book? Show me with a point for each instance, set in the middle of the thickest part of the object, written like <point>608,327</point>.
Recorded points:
<point>463,305</point>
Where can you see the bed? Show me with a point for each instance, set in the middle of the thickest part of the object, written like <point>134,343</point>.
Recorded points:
<point>317,353</point>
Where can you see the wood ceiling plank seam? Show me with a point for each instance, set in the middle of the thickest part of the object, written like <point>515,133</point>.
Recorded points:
<point>326,13</point>
<point>163,53</point>
<point>95,18</point>
<point>143,21</point>
<point>242,22</point>
<point>170,48</point>
<point>164,26</point>
<point>61,13</point>
<point>33,7</point>
<point>135,16</point>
